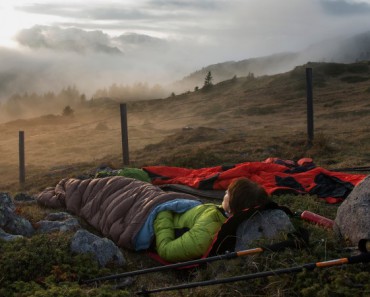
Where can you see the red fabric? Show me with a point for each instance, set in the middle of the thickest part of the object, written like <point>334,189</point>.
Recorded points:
<point>263,173</point>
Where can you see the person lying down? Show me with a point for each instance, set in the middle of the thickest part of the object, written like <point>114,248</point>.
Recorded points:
<point>199,225</point>
<point>137,215</point>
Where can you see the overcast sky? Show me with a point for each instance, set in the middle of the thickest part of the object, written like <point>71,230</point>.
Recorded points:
<point>165,38</point>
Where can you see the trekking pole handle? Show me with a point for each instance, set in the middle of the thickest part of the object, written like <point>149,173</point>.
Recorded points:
<point>361,258</point>
<point>364,245</point>
<point>249,252</point>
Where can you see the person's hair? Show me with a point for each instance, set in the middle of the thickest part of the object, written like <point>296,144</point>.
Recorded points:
<point>244,193</point>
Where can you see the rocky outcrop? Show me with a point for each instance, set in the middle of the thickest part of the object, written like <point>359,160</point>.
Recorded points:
<point>10,221</point>
<point>13,227</point>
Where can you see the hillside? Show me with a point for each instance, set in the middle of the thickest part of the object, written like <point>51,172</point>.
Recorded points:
<point>348,49</point>
<point>236,120</point>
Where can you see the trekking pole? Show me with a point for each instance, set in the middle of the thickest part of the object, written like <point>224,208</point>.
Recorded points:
<point>362,258</point>
<point>296,242</point>
<point>229,255</point>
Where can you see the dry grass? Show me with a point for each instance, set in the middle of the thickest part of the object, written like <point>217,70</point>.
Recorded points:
<point>235,121</point>
<point>246,120</point>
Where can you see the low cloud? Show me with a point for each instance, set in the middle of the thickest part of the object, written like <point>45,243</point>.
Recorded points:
<point>343,7</point>
<point>161,41</point>
<point>71,39</point>
<point>53,58</point>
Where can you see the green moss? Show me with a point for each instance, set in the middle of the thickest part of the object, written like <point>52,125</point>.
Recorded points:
<point>24,289</point>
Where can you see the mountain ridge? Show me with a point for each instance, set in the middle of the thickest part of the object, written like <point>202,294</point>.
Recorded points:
<point>339,50</point>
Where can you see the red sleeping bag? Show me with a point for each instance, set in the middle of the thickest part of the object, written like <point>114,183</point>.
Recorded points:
<point>275,178</point>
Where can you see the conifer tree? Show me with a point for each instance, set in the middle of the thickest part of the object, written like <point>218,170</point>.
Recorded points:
<point>208,80</point>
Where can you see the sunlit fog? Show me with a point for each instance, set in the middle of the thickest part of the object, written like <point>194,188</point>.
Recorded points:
<point>50,45</point>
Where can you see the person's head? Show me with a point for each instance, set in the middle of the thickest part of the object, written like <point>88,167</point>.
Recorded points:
<point>243,193</point>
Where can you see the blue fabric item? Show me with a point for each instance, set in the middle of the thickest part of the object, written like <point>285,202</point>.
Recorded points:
<point>146,233</point>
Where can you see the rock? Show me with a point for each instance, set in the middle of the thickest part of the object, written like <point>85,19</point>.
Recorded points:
<point>57,226</point>
<point>352,221</point>
<point>6,203</point>
<point>268,224</point>
<point>58,216</point>
<point>10,222</point>
<point>58,222</point>
<point>103,249</point>
<point>126,282</point>
<point>7,237</point>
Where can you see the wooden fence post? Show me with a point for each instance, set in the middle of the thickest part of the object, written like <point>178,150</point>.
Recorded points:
<point>124,132</point>
<point>22,167</point>
<point>309,106</point>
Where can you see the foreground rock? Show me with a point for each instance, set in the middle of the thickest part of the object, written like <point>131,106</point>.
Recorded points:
<point>103,249</point>
<point>58,222</point>
<point>8,237</point>
<point>10,221</point>
<point>352,221</point>
<point>270,224</point>
<point>24,198</point>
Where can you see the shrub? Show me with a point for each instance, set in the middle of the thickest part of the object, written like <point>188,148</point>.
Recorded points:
<point>358,68</point>
<point>334,69</point>
<point>40,263</point>
<point>68,111</point>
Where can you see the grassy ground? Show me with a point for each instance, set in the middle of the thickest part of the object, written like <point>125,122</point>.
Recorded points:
<point>44,266</point>
<point>235,121</point>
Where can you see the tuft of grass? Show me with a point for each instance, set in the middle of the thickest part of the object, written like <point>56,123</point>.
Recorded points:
<point>354,79</point>
<point>193,159</point>
<point>322,145</point>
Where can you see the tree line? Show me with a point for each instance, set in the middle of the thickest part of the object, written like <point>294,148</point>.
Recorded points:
<point>33,104</point>
<point>69,98</point>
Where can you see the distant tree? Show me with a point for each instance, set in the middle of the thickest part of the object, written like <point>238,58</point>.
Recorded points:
<point>68,111</point>
<point>69,95</point>
<point>208,80</point>
<point>173,94</point>
<point>250,75</point>
<point>196,89</point>
<point>83,99</point>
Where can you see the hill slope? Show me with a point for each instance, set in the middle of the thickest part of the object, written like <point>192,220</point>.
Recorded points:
<point>340,50</point>
<point>243,119</point>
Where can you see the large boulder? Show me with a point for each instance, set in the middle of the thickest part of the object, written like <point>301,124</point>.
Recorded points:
<point>352,221</point>
<point>102,249</point>
<point>269,225</point>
